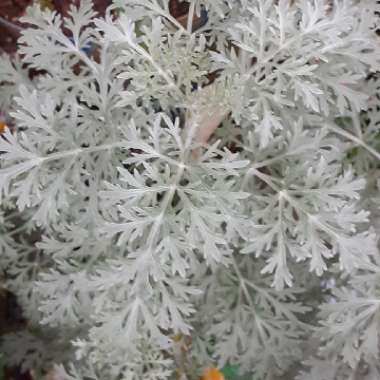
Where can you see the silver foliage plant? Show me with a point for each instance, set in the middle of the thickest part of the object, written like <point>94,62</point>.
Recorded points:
<point>143,242</point>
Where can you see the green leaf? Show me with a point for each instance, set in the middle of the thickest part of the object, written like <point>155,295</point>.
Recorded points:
<point>230,371</point>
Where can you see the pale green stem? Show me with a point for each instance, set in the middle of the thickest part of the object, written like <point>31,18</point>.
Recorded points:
<point>354,139</point>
